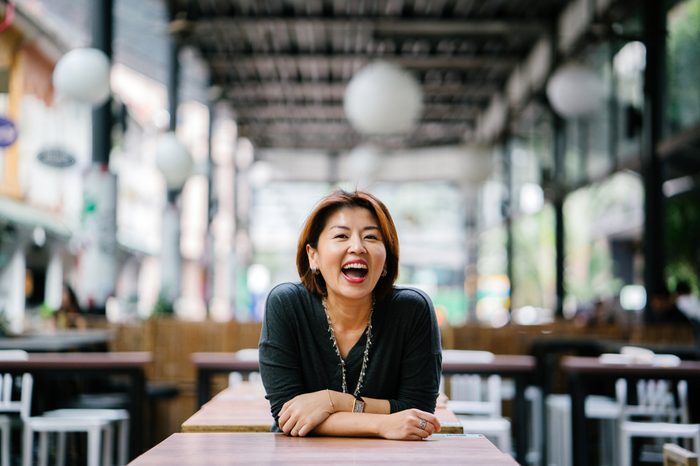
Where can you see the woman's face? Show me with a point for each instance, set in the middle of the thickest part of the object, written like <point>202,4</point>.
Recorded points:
<point>350,253</point>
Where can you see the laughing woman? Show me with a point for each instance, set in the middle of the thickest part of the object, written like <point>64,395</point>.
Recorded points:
<point>345,352</point>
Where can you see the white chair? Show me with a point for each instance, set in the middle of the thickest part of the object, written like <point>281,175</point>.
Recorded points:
<point>559,441</point>
<point>95,425</point>
<point>10,404</point>
<point>120,417</point>
<point>477,405</point>
<point>661,417</point>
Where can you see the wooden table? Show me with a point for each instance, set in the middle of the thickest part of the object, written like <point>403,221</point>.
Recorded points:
<point>59,340</point>
<point>518,367</point>
<point>210,364</point>
<point>239,409</point>
<point>222,449</point>
<point>586,372</point>
<point>245,409</point>
<point>47,368</point>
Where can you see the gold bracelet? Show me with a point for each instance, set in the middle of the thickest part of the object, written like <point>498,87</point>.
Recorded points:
<point>331,400</point>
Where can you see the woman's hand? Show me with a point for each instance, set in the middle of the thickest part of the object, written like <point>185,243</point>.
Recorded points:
<point>409,424</point>
<point>303,413</point>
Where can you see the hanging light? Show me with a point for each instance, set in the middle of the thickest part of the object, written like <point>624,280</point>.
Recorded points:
<point>531,198</point>
<point>173,160</point>
<point>576,91</point>
<point>83,74</point>
<point>383,99</point>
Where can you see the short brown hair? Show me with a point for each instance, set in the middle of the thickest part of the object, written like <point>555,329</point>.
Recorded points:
<point>317,221</point>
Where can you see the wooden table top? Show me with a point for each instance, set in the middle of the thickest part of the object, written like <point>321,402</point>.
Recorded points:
<point>499,364</point>
<point>223,449</point>
<point>238,361</point>
<point>244,408</point>
<point>579,364</point>
<point>107,360</point>
<point>59,340</point>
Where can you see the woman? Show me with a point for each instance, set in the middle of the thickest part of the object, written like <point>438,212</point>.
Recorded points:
<point>345,352</point>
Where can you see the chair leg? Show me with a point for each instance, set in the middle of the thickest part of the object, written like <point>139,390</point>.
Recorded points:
<point>107,447</point>
<point>61,449</point>
<point>625,447</point>
<point>505,443</point>
<point>27,440</point>
<point>123,443</point>
<point>94,437</point>
<point>6,445</point>
<point>43,448</point>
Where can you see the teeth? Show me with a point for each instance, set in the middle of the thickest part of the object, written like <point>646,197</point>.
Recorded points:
<point>355,266</point>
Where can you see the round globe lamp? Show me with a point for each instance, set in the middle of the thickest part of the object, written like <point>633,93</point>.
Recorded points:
<point>83,75</point>
<point>173,160</point>
<point>383,99</point>
<point>576,91</point>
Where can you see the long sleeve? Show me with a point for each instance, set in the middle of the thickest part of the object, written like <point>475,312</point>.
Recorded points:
<point>421,363</point>
<point>280,367</point>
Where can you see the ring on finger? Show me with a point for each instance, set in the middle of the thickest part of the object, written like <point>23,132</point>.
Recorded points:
<point>422,424</point>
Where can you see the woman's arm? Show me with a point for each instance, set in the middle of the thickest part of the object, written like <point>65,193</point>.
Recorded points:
<point>280,367</point>
<point>316,412</point>
<point>303,413</point>
<point>410,424</point>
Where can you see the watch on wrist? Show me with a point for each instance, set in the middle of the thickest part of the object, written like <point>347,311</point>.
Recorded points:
<point>358,406</point>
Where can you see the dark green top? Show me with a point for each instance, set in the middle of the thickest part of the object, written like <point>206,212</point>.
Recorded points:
<point>297,355</point>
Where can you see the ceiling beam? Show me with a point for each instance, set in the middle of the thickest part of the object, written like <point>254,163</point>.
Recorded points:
<point>338,126</point>
<point>223,61</point>
<point>258,90</point>
<point>320,111</point>
<point>381,25</point>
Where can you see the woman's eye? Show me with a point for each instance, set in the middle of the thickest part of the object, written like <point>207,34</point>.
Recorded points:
<point>371,237</point>
<point>340,236</point>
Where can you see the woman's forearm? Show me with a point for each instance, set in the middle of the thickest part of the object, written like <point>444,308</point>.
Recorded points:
<point>343,402</point>
<point>410,424</point>
<point>351,425</point>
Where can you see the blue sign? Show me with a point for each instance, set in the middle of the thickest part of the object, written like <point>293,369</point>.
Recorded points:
<point>8,132</point>
<point>56,157</point>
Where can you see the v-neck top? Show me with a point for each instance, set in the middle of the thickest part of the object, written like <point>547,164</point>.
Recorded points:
<point>297,354</point>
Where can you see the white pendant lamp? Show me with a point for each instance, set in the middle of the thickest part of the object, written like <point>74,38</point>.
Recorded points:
<point>383,99</point>
<point>173,160</point>
<point>576,91</point>
<point>83,74</point>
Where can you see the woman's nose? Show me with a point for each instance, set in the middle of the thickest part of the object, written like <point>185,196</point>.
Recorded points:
<point>356,245</point>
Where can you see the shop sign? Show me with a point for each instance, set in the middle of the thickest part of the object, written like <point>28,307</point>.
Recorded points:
<point>8,132</point>
<point>56,157</point>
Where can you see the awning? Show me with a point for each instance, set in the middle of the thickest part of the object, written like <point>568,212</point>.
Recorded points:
<point>21,214</point>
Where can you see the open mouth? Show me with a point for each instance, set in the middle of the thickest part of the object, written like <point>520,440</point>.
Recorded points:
<point>355,270</point>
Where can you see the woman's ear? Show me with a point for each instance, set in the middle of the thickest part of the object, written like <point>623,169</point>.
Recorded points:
<point>312,255</point>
